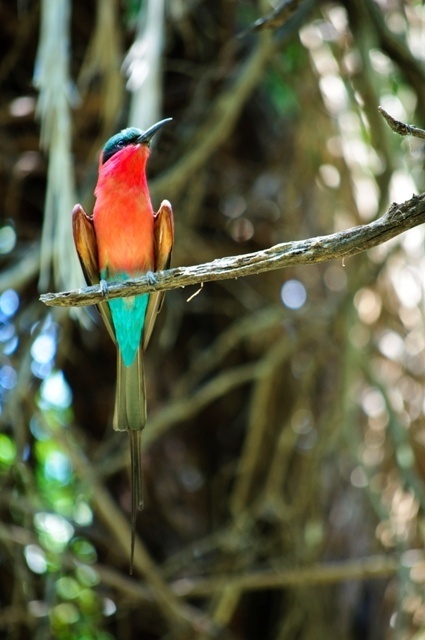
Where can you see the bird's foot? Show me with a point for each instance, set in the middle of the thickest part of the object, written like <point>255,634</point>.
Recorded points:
<point>104,288</point>
<point>151,278</point>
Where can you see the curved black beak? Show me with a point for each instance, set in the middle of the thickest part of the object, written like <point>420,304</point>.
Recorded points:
<point>147,135</point>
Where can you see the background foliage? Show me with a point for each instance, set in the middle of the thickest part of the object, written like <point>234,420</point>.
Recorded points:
<point>286,411</point>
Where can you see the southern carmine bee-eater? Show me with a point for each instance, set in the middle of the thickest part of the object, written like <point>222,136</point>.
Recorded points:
<point>123,239</point>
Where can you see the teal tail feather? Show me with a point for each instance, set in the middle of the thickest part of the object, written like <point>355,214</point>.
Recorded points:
<point>130,415</point>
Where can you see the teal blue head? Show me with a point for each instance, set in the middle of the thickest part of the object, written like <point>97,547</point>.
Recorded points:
<point>130,136</point>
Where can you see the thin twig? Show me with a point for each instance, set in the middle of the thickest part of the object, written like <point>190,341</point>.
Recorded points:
<point>402,128</point>
<point>284,10</point>
<point>396,220</point>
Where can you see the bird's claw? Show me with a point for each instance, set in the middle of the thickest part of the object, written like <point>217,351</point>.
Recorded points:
<point>104,288</point>
<point>151,278</point>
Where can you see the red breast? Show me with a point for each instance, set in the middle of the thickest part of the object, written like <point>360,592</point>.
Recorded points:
<point>123,214</point>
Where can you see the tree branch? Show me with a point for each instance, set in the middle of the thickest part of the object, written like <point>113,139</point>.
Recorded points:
<point>396,220</point>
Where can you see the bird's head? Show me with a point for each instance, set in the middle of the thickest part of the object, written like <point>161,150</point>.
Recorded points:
<point>130,136</point>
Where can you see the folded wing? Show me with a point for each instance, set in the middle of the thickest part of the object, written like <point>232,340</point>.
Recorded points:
<point>164,240</point>
<point>86,245</point>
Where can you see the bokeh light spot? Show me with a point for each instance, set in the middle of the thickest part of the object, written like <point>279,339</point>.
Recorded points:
<point>368,304</point>
<point>41,370</point>
<point>7,450</point>
<point>58,467</point>
<point>391,345</point>
<point>8,377</point>
<point>109,607</point>
<point>330,175</point>
<point>9,302</point>
<point>55,391</point>
<point>358,478</point>
<point>191,478</point>
<point>7,239</point>
<point>84,550</point>
<point>22,106</point>
<point>43,348</point>
<point>241,229</point>
<point>56,527</point>
<point>83,515</point>
<point>87,576</point>
<point>293,294</point>
<point>67,588</point>
<point>11,346</point>
<point>233,206</point>
<point>65,614</point>
<point>373,402</point>
<point>7,331</point>
<point>35,558</point>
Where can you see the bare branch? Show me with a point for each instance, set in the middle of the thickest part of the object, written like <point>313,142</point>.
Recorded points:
<point>362,569</point>
<point>338,245</point>
<point>402,128</point>
<point>368,568</point>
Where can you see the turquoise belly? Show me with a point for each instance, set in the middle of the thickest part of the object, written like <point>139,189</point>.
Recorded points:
<point>128,315</point>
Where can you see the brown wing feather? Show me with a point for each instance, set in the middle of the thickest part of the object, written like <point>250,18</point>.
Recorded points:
<point>86,245</point>
<point>164,240</point>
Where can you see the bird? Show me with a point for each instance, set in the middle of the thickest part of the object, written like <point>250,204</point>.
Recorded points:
<point>123,239</point>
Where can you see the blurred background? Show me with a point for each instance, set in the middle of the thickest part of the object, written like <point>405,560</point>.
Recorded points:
<point>284,459</point>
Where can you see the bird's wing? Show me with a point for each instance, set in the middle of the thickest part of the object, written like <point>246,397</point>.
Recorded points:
<point>86,245</point>
<point>164,240</point>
